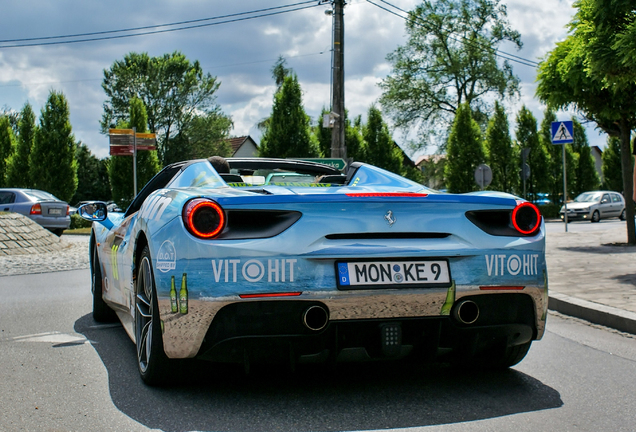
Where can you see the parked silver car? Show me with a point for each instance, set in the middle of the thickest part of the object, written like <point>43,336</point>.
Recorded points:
<point>595,205</point>
<point>42,207</point>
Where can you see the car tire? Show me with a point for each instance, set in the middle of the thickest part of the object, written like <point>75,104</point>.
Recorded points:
<point>101,311</point>
<point>596,216</point>
<point>58,231</point>
<point>622,216</point>
<point>152,361</point>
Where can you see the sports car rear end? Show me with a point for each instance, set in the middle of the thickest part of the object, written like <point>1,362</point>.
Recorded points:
<point>348,274</point>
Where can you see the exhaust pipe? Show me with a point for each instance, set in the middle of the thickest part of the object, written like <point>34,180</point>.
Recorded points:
<point>315,318</point>
<point>466,312</point>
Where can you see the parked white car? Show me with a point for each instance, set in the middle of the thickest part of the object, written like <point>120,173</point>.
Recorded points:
<point>594,206</point>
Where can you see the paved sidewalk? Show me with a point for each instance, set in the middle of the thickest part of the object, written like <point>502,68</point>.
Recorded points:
<point>592,273</point>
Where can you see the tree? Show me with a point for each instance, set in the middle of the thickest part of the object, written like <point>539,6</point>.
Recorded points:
<point>586,178</point>
<point>6,147</point>
<point>173,90</point>
<point>502,156</point>
<point>608,29</point>
<point>381,150</point>
<point>18,164</point>
<point>538,157</point>
<point>464,152</point>
<point>208,135</point>
<point>612,173</point>
<point>449,59</point>
<point>120,168</point>
<point>288,133</point>
<point>92,177</point>
<point>52,164</point>
<point>356,147</point>
<point>571,77</point>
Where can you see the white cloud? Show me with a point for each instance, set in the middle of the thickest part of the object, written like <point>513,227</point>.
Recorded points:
<point>241,54</point>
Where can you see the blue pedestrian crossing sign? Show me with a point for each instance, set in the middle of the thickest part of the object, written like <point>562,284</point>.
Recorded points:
<point>562,132</point>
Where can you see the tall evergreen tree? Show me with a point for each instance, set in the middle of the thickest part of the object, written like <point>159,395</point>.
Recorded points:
<point>357,147</point>
<point>18,165</point>
<point>381,151</point>
<point>585,169</point>
<point>288,132</point>
<point>502,156</point>
<point>6,147</point>
<point>120,168</point>
<point>538,158</point>
<point>612,173</point>
<point>52,163</point>
<point>464,152</point>
<point>92,177</point>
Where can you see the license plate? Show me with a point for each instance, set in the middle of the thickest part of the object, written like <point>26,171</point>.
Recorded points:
<point>393,274</point>
<point>55,211</point>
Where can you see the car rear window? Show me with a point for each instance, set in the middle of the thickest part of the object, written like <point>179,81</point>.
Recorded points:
<point>37,195</point>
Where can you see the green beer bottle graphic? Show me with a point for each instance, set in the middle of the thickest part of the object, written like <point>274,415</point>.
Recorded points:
<point>174,304</point>
<point>450,299</point>
<point>183,295</point>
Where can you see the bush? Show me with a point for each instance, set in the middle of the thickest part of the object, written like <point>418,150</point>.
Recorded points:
<point>550,211</point>
<point>78,222</point>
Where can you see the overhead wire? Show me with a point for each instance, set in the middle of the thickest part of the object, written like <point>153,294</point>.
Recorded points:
<point>496,52</point>
<point>112,33</point>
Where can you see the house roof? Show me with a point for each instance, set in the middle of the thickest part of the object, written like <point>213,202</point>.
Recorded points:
<point>237,142</point>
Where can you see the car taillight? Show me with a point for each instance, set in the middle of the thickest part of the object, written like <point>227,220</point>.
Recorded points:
<point>203,218</point>
<point>68,210</point>
<point>526,218</point>
<point>36,209</point>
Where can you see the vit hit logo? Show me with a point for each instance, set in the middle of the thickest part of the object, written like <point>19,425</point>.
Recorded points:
<point>502,265</point>
<point>276,270</point>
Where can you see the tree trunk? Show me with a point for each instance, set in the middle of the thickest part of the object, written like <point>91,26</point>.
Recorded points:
<point>628,186</point>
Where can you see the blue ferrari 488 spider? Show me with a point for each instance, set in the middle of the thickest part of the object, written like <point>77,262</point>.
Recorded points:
<point>294,261</point>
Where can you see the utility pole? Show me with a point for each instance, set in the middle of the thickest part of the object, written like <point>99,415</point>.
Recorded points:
<point>338,148</point>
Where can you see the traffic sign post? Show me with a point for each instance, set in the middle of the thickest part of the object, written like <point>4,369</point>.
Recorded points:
<point>126,142</point>
<point>483,175</point>
<point>563,133</point>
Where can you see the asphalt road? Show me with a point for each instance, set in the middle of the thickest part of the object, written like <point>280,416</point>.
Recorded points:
<point>60,371</point>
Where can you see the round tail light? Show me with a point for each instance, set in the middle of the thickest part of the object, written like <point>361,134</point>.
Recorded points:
<point>203,218</point>
<point>526,218</point>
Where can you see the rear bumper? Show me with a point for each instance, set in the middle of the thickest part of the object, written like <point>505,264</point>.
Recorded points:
<point>226,328</point>
<point>52,222</point>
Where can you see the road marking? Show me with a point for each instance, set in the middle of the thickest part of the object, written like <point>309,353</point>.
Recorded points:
<point>52,337</point>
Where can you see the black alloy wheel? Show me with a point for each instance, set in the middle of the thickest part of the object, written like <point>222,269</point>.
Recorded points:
<point>151,358</point>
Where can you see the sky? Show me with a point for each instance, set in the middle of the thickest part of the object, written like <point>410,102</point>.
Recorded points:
<point>239,53</point>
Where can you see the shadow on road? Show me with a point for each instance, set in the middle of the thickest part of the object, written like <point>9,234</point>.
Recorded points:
<point>349,397</point>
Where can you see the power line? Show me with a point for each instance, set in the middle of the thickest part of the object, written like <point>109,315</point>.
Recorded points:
<point>307,5</point>
<point>497,53</point>
<point>154,26</point>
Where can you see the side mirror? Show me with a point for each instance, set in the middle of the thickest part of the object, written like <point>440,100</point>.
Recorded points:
<point>94,211</point>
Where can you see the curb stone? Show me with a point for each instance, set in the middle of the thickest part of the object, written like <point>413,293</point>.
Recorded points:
<point>596,313</point>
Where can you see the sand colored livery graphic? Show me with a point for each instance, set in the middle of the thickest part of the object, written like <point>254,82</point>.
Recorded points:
<point>260,264</point>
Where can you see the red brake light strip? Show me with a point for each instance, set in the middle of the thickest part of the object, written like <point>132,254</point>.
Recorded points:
<point>287,294</point>
<point>386,194</point>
